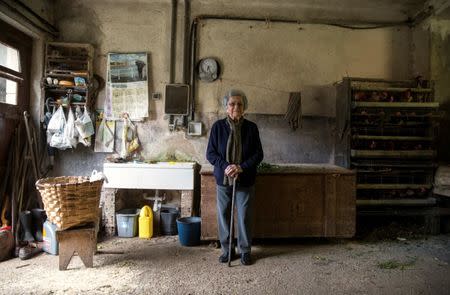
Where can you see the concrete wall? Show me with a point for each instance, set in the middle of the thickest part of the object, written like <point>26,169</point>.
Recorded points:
<point>266,60</point>
<point>306,10</point>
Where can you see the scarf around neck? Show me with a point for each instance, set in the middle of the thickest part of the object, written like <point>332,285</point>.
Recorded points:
<point>234,146</point>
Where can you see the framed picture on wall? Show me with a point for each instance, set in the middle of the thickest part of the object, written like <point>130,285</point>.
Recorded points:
<point>127,85</point>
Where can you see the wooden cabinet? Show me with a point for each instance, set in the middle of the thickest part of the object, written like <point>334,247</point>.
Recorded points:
<point>292,201</point>
<point>68,74</point>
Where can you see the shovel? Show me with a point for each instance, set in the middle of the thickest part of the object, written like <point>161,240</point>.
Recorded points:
<point>231,221</point>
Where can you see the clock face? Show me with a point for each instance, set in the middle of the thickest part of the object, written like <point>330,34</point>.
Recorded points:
<point>208,69</point>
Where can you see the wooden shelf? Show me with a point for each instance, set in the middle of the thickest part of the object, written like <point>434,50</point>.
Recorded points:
<point>65,61</point>
<point>370,104</point>
<point>393,89</point>
<point>72,57</point>
<point>431,115</point>
<point>392,154</point>
<point>75,88</point>
<point>66,75</point>
<point>397,165</point>
<point>392,186</point>
<point>403,138</point>
<point>378,80</point>
<point>81,104</point>
<point>399,202</point>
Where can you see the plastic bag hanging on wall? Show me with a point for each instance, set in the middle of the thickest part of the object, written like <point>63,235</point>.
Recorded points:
<point>84,127</point>
<point>130,139</point>
<point>57,126</point>
<point>104,139</point>
<point>70,132</point>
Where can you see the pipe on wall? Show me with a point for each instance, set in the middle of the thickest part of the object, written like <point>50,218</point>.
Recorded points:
<point>187,16</point>
<point>193,53</point>
<point>173,32</point>
<point>357,26</point>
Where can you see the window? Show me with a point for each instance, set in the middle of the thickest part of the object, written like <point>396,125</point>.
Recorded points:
<point>9,57</point>
<point>9,71</point>
<point>8,91</point>
<point>15,57</point>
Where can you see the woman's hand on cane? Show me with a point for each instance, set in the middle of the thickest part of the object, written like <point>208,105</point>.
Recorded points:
<point>233,170</point>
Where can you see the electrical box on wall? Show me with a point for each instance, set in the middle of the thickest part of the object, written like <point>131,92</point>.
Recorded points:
<point>194,128</point>
<point>177,99</point>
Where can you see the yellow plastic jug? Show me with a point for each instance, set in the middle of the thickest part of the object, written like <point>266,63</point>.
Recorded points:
<point>146,223</point>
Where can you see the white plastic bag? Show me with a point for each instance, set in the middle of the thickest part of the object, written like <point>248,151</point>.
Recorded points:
<point>69,131</point>
<point>60,141</point>
<point>123,151</point>
<point>57,127</point>
<point>78,114</point>
<point>84,125</point>
<point>104,139</point>
<point>57,122</point>
<point>130,139</point>
<point>97,176</point>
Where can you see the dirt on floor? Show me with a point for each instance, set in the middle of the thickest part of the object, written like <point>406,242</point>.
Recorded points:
<point>401,265</point>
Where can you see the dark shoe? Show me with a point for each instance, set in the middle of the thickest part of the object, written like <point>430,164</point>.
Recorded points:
<point>30,250</point>
<point>224,257</point>
<point>246,259</point>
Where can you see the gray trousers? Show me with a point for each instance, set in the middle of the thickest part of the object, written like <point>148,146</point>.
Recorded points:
<point>244,205</point>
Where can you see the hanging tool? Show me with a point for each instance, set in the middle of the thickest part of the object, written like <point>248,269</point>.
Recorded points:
<point>33,151</point>
<point>233,196</point>
<point>31,144</point>
<point>294,111</point>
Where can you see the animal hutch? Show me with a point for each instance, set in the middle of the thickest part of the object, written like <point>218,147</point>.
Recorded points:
<point>386,131</point>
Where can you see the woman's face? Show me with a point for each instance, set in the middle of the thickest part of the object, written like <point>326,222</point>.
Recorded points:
<point>235,107</point>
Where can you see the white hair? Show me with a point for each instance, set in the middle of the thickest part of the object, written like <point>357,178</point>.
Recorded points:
<point>235,92</point>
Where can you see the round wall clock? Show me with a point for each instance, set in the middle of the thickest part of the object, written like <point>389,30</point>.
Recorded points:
<point>208,69</point>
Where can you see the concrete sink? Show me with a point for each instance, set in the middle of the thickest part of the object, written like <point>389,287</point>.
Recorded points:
<point>161,175</point>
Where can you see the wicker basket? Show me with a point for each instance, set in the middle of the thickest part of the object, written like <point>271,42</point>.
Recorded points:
<point>70,200</point>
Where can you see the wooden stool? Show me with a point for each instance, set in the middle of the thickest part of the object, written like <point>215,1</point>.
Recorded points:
<point>81,240</point>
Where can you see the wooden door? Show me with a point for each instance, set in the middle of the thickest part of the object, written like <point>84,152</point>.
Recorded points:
<point>15,58</point>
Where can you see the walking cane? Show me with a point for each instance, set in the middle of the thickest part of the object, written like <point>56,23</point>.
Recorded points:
<point>231,221</point>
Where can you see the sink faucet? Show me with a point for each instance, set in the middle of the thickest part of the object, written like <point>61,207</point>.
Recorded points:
<point>158,200</point>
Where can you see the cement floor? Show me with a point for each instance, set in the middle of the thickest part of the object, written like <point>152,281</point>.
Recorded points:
<point>304,266</point>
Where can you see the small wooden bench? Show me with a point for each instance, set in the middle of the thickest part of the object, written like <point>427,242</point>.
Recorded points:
<point>80,240</point>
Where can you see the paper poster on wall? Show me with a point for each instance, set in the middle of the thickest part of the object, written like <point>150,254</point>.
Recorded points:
<point>127,86</point>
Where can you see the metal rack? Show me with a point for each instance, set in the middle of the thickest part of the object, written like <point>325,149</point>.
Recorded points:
<point>387,133</point>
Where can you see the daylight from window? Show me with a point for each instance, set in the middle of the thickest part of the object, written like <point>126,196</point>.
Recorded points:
<point>9,58</point>
<point>8,91</point>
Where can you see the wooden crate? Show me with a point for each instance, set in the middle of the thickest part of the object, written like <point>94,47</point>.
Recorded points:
<point>304,201</point>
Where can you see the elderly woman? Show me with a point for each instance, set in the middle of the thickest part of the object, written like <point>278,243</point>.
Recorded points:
<point>235,150</point>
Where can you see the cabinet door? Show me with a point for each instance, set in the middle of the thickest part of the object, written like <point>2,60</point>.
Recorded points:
<point>208,207</point>
<point>289,205</point>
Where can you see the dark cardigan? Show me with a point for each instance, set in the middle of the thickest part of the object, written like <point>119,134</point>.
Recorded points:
<point>252,153</point>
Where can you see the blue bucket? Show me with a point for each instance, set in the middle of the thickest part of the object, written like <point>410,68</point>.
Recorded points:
<point>189,230</point>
